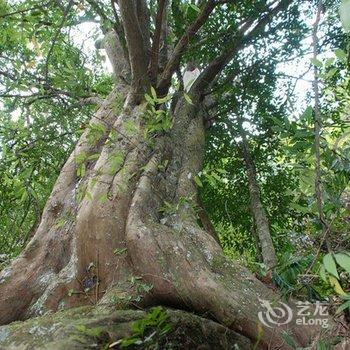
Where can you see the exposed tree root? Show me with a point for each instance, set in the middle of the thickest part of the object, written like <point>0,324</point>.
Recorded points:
<point>95,328</point>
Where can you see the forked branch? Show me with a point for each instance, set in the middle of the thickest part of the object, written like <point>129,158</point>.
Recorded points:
<point>135,42</point>
<point>153,71</point>
<point>181,46</point>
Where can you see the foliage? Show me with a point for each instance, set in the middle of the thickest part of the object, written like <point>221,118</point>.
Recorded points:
<point>282,146</point>
<point>148,330</point>
<point>156,119</point>
<point>42,83</point>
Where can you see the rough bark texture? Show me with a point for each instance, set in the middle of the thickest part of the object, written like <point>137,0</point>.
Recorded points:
<point>261,222</point>
<point>121,241</point>
<point>96,328</point>
<point>122,221</point>
<point>135,21</point>
<point>114,50</point>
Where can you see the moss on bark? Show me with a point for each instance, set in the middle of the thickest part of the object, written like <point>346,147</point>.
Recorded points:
<point>99,327</point>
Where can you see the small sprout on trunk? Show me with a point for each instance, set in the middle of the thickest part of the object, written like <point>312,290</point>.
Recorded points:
<point>120,251</point>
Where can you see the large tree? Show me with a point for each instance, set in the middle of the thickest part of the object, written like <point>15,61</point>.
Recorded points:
<point>122,220</point>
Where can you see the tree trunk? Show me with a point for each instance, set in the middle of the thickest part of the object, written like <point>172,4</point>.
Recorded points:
<point>126,229</point>
<point>318,126</point>
<point>260,219</point>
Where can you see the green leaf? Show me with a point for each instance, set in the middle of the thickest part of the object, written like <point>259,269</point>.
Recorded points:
<point>343,307</point>
<point>330,265</point>
<point>81,171</point>
<point>133,340</point>
<point>196,8</point>
<point>130,127</point>
<point>165,99</point>
<point>322,346</point>
<point>94,156</point>
<point>24,196</point>
<point>116,160</point>
<point>198,181</point>
<point>289,340</point>
<point>149,99</point>
<point>322,273</point>
<point>188,99</point>
<point>307,115</point>
<point>343,260</point>
<point>331,73</point>
<point>154,94</point>
<point>316,62</point>
<point>329,61</point>
<point>341,55</point>
<point>299,208</point>
<point>216,176</point>
<point>119,251</point>
<point>344,12</point>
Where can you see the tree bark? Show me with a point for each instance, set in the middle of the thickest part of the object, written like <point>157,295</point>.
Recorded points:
<point>318,126</point>
<point>118,241</point>
<point>122,220</point>
<point>260,219</point>
<point>100,328</point>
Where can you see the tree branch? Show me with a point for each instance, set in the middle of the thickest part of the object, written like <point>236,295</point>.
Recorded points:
<point>52,92</point>
<point>105,21</point>
<point>238,41</point>
<point>8,75</point>
<point>65,14</point>
<point>143,17</point>
<point>318,126</point>
<point>137,54</point>
<point>118,28</point>
<point>95,100</point>
<point>181,46</point>
<point>153,71</point>
<point>41,6</point>
<point>164,44</point>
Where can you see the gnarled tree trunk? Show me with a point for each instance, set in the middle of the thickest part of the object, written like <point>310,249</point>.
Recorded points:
<point>119,241</point>
<point>121,223</point>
